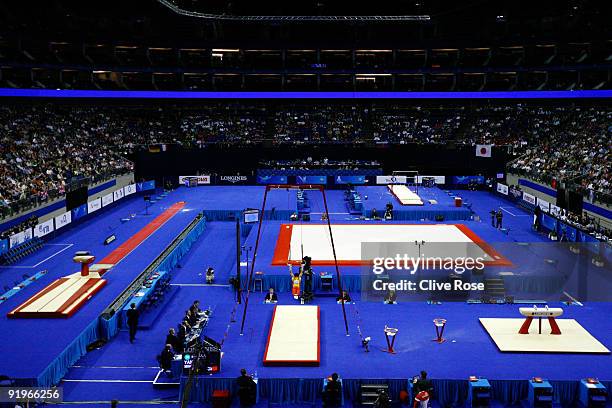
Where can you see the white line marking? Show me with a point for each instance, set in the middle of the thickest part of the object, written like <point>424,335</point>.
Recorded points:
<point>514,215</point>
<point>331,213</point>
<point>204,285</point>
<point>109,381</point>
<point>57,253</point>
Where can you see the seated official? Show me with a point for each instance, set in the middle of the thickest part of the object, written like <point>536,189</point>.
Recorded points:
<point>271,296</point>
<point>173,340</point>
<point>191,317</point>
<point>391,297</point>
<point>247,389</point>
<point>187,325</point>
<point>344,297</point>
<point>332,395</point>
<point>166,357</point>
<point>195,307</point>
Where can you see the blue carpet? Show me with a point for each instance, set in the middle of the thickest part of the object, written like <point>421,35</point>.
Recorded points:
<point>42,350</point>
<point>468,351</point>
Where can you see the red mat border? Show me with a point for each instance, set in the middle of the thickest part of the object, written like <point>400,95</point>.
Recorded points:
<point>315,363</point>
<point>116,256</point>
<point>283,243</point>
<point>139,237</point>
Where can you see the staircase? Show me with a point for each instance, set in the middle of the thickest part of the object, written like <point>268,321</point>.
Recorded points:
<point>495,288</point>
<point>368,393</point>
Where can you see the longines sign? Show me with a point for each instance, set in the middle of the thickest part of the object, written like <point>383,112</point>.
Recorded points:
<point>234,179</point>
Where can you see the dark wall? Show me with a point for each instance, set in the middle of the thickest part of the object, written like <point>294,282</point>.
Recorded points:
<point>223,159</point>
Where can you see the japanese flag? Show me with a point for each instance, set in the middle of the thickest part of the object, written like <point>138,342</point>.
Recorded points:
<point>483,150</point>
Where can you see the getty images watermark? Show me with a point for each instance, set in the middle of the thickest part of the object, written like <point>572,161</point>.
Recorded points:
<point>411,265</point>
<point>422,271</point>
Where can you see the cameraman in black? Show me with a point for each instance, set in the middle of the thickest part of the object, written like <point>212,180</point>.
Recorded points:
<point>247,389</point>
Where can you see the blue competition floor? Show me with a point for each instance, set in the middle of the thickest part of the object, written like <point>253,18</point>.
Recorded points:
<point>33,335</point>
<point>125,371</point>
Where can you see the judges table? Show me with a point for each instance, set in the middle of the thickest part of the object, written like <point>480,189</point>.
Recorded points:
<point>592,395</point>
<point>195,333</point>
<point>540,394</point>
<point>479,393</point>
<point>140,297</point>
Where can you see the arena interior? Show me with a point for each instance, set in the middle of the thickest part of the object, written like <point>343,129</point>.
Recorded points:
<point>305,204</point>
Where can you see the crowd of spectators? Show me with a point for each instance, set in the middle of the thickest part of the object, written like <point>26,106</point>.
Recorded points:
<point>43,147</point>
<point>324,163</point>
<point>576,151</point>
<point>29,223</point>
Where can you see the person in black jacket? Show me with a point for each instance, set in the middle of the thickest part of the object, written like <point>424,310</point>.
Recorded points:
<point>132,321</point>
<point>499,216</point>
<point>422,384</point>
<point>271,296</point>
<point>247,389</point>
<point>166,357</point>
<point>173,340</point>
<point>332,396</point>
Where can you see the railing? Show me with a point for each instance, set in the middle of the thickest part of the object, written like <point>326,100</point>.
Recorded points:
<point>28,203</point>
<point>123,297</point>
<point>571,183</point>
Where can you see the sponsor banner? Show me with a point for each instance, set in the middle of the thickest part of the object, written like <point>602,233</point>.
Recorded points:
<point>554,210</point>
<point>235,180</point>
<point>20,237</point>
<point>94,205</point>
<point>311,179</point>
<point>145,186</point>
<point>79,212</point>
<point>502,188</point>
<point>438,179</point>
<point>391,179</point>
<point>544,205</point>
<point>465,180</point>
<point>44,228</point>
<point>118,194</point>
<point>548,222</point>
<point>529,198</point>
<point>4,245</point>
<point>107,199</point>
<point>350,179</point>
<point>129,189</point>
<point>516,193</point>
<point>63,220</point>
<point>271,179</point>
<point>201,179</point>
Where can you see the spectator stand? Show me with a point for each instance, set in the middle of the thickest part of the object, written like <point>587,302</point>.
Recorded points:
<point>24,249</point>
